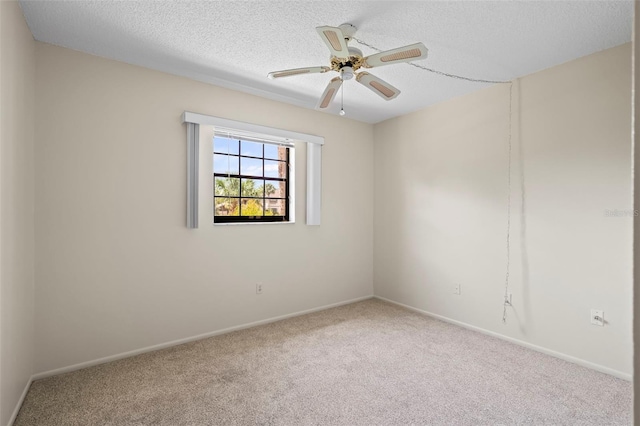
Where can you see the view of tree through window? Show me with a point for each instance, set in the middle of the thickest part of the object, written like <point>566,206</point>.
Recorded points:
<point>251,181</point>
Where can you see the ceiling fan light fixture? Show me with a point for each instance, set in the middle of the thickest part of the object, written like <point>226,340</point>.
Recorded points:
<point>346,73</point>
<point>346,61</point>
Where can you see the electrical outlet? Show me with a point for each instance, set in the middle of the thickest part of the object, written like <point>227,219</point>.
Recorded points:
<point>456,289</point>
<point>597,317</point>
<point>259,288</point>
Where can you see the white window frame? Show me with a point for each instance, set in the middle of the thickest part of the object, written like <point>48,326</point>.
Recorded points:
<point>314,160</point>
<point>290,182</point>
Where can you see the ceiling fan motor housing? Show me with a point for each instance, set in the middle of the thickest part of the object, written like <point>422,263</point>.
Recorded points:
<point>355,61</point>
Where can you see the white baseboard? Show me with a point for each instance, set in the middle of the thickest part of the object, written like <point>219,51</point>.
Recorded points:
<point>20,401</point>
<point>541,349</point>
<point>116,357</point>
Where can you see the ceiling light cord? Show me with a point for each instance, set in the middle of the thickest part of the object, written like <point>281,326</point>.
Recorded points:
<point>507,299</point>
<point>442,73</point>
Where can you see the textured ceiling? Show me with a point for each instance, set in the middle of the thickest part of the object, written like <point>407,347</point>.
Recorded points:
<point>236,43</point>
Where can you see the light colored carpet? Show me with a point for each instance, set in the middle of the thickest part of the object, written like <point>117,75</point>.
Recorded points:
<point>369,363</point>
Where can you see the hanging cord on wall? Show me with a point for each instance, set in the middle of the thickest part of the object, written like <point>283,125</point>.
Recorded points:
<point>507,300</point>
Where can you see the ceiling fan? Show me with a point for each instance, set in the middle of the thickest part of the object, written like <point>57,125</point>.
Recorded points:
<point>347,60</point>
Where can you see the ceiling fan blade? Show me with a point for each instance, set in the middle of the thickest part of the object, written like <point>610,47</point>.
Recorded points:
<point>378,86</point>
<point>334,39</point>
<point>297,71</point>
<point>329,93</point>
<point>413,52</point>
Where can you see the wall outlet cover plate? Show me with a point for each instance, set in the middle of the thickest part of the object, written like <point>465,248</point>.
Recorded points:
<point>597,317</point>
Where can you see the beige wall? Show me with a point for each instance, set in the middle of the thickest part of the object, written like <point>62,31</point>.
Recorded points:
<point>117,268</point>
<point>17,73</point>
<point>440,209</point>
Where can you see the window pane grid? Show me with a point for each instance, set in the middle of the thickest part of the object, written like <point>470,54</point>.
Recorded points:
<point>255,198</point>
<point>237,176</point>
<point>250,190</point>
<point>249,156</point>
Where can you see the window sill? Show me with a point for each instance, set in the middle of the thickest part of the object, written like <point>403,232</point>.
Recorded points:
<point>254,223</point>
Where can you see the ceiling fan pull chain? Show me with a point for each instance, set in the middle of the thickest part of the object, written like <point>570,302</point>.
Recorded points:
<point>342,100</point>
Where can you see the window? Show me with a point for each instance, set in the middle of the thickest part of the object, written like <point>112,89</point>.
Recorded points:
<point>250,181</point>
<point>202,127</point>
